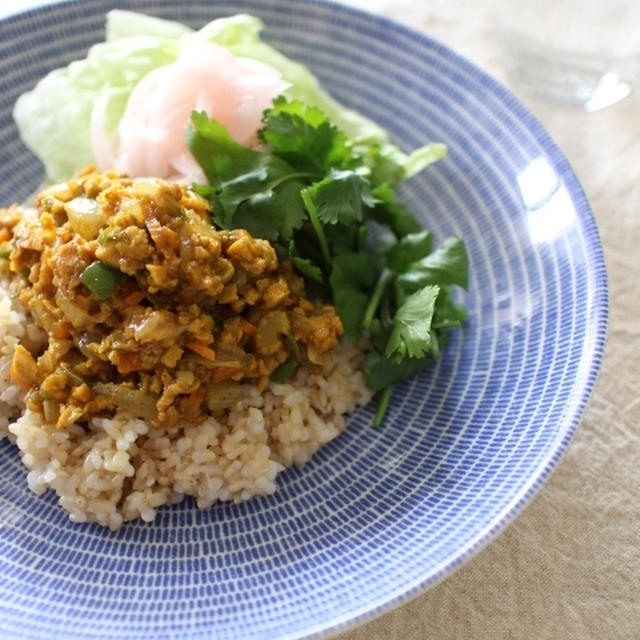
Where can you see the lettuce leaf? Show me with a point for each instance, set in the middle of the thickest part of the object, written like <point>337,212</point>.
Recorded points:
<point>54,119</point>
<point>126,24</point>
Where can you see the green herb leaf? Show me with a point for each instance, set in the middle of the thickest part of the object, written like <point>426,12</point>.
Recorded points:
<point>447,313</point>
<point>307,269</point>
<point>447,265</point>
<point>304,137</point>
<point>221,158</point>
<point>411,334</point>
<point>329,204</point>
<point>393,214</point>
<point>273,214</point>
<point>408,249</point>
<point>352,277</point>
<point>381,372</point>
<point>340,196</point>
<point>383,162</point>
<point>357,268</point>
<point>345,238</point>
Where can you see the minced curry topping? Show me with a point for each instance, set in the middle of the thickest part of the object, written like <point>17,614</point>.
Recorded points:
<point>149,307</point>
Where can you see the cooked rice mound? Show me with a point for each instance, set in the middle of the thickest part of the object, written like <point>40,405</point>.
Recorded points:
<point>120,469</point>
<point>114,469</point>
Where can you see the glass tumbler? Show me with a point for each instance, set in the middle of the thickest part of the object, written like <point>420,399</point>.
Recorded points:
<point>579,52</point>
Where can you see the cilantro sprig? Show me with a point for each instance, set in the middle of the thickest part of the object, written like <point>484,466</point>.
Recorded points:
<point>330,205</point>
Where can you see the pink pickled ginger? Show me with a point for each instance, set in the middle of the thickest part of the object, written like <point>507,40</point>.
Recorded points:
<point>151,136</point>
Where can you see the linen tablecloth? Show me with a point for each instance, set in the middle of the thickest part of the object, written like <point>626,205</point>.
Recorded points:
<point>569,566</point>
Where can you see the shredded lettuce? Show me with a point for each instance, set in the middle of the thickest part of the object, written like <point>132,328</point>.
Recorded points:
<point>54,119</point>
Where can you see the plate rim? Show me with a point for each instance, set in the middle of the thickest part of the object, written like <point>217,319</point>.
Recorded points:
<point>598,320</point>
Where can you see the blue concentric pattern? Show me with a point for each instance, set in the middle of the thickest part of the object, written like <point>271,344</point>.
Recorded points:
<point>377,516</point>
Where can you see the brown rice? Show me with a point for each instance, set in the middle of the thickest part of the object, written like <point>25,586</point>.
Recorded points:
<point>119,469</point>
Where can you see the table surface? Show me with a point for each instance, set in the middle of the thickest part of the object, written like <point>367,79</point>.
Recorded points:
<point>569,566</point>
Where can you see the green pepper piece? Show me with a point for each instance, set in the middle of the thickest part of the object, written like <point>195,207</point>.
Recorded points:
<point>101,279</point>
<point>284,372</point>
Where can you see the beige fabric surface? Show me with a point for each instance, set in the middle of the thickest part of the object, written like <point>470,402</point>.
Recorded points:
<point>569,566</point>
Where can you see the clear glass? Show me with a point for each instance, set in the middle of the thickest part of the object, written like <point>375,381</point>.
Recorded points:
<point>584,52</point>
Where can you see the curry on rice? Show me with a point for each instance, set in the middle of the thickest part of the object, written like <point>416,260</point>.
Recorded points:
<point>150,308</point>
<point>156,339</point>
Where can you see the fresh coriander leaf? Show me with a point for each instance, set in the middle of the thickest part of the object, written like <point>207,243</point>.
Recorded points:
<point>343,238</point>
<point>391,213</point>
<point>379,333</point>
<point>292,211</point>
<point>239,188</point>
<point>272,214</point>
<point>408,249</point>
<point>233,193</point>
<point>310,115</point>
<point>304,136</point>
<point>306,244</point>
<point>251,189</point>
<point>256,216</point>
<point>220,157</point>
<point>447,265</point>
<point>307,269</point>
<point>204,190</point>
<point>349,300</point>
<point>381,372</point>
<point>362,235</point>
<point>350,303</point>
<point>411,333</point>
<point>390,166</point>
<point>384,162</point>
<point>382,239</point>
<point>447,313</point>
<point>351,280</point>
<point>357,268</point>
<point>340,195</point>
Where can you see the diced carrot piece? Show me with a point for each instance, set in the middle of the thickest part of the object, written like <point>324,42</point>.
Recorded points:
<point>128,362</point>
<point>202,349</point>
<point>223,373</point>
<point>132,298</point>
<point>60,330</point>
<point>248,329</point>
